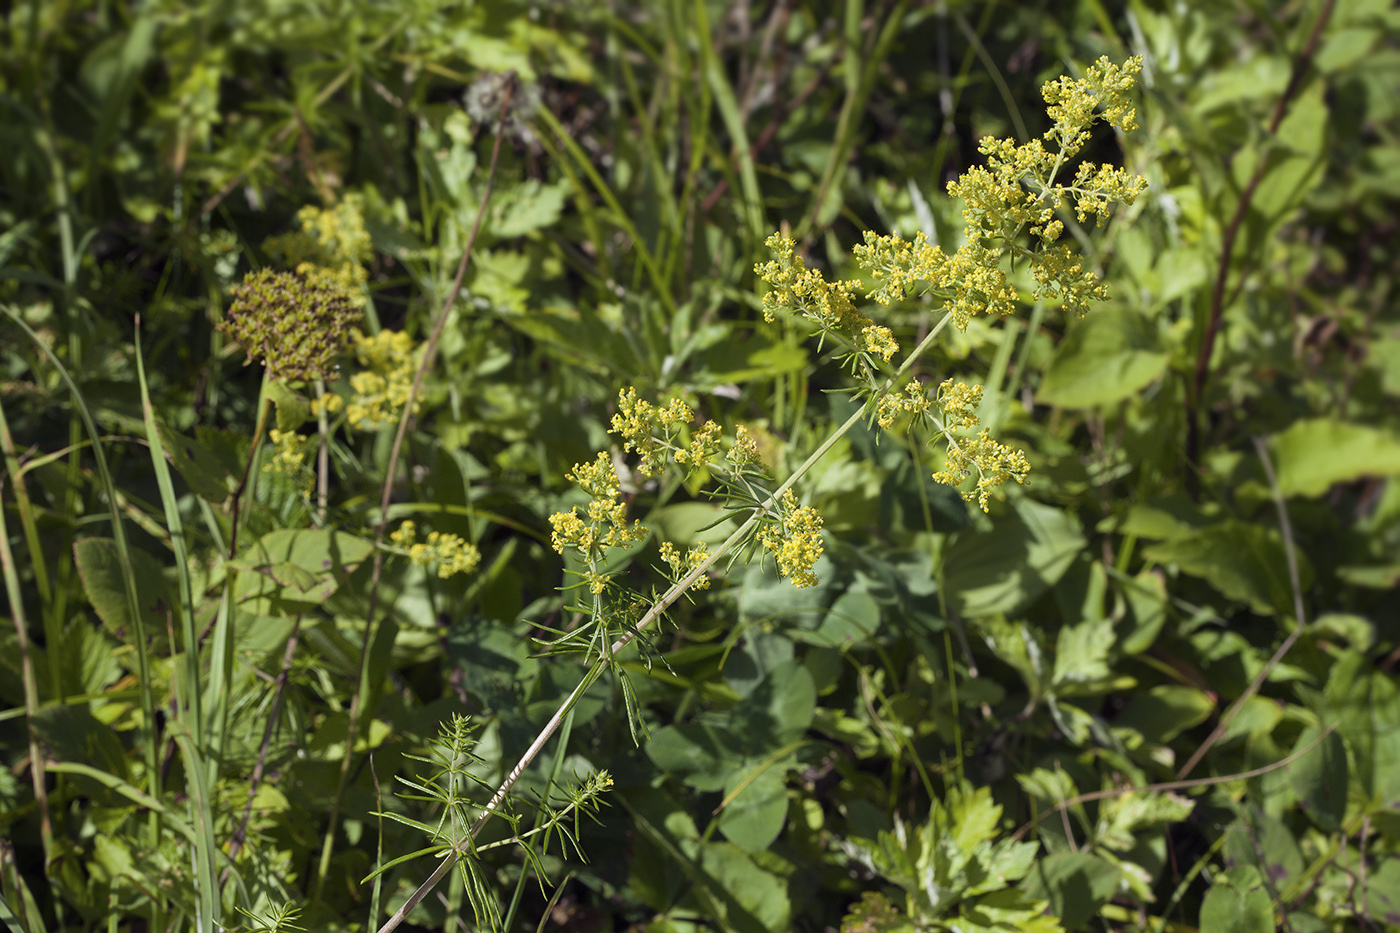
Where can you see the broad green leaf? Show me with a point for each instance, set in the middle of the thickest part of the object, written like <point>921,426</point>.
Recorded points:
<point>767,597</point>
<point>1383,355</point>
<point>290,569</point>
<point>1146,597</point>
<point>1344,48</point>
<point>1266,844</point>
<point>778,710</point>
<point>687,523</point>
<point>73,733</point>
<point>702,755</point>
<point>1081,653</point>
<point>1105,358</point>
<point>1243,561</point>
<point>1007,568</point>
<point>1076,884</point>
<point>761,898</point>
<point>101,571</point>
<point>1312,456</point>
<point>1319,778</point>
<point>1382,897</point>
<point>974,817</point>
<point>850,621</point>
<point>1367,704</point>
<point>1237,903</point>
<point>737,360</point>
<point>526,207</point>
<point>1164,712</point>
<point>1124,815</point>
<point>754,816</point>
<point>293,408</point>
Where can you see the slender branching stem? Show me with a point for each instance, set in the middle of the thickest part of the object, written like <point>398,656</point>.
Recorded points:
<point>652,614</point>
<point>386,494</point>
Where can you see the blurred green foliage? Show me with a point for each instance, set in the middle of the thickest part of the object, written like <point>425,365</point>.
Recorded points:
<point>1195,588</point>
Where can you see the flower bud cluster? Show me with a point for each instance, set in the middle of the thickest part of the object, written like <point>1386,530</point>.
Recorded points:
<point>451,553</point>
<point>297,324</point>
<point>745,452</point>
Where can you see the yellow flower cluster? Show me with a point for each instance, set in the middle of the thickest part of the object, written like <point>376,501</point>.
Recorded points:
<point>381,387</point>
<point>289,451</point>
<point>913,400</point>
<point>994,463</point>
<point>652,431</point>
<point>334,240</point>
<point>1060,273</point>
<point>451,553</point>
<point>878,341</point>
<point>898,263</point>
<point>682,565</point>
<point>604,522</point>
<point>970,276</point>
<point>1073,102</point>
<point>796,289</point>
<point>745,451</point>
<point>959,402</point>
<point>795,540</point>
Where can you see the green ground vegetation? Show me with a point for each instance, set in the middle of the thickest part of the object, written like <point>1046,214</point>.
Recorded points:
<point>521,466</point>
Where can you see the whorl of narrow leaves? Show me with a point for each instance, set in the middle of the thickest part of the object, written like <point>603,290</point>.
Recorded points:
<point>297,324</point>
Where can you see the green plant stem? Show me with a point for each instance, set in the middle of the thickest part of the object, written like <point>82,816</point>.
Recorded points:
<point>133,606</point>
<point>386,493</point>
<point>31,689</point>
<point>1296,584</point>
<point>652,614</point>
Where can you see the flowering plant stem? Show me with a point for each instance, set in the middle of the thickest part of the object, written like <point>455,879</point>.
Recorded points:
<point>661,605</point>
<point>386,494</point>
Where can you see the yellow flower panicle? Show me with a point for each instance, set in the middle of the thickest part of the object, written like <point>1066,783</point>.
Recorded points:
<point>959,402</point>
<point>912,400</point>
<point>1073,102</point>
<point>745,452</point>
<point>604,519</point>
<point>795,289</point>
<point>795,540</point>
<point>1017,191</point>
<point>289,450</point>
<point>994,463</point>
<point>683,564</point>
<point>452,554</point>
<point>653,431</point>
<point>387,360</point>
